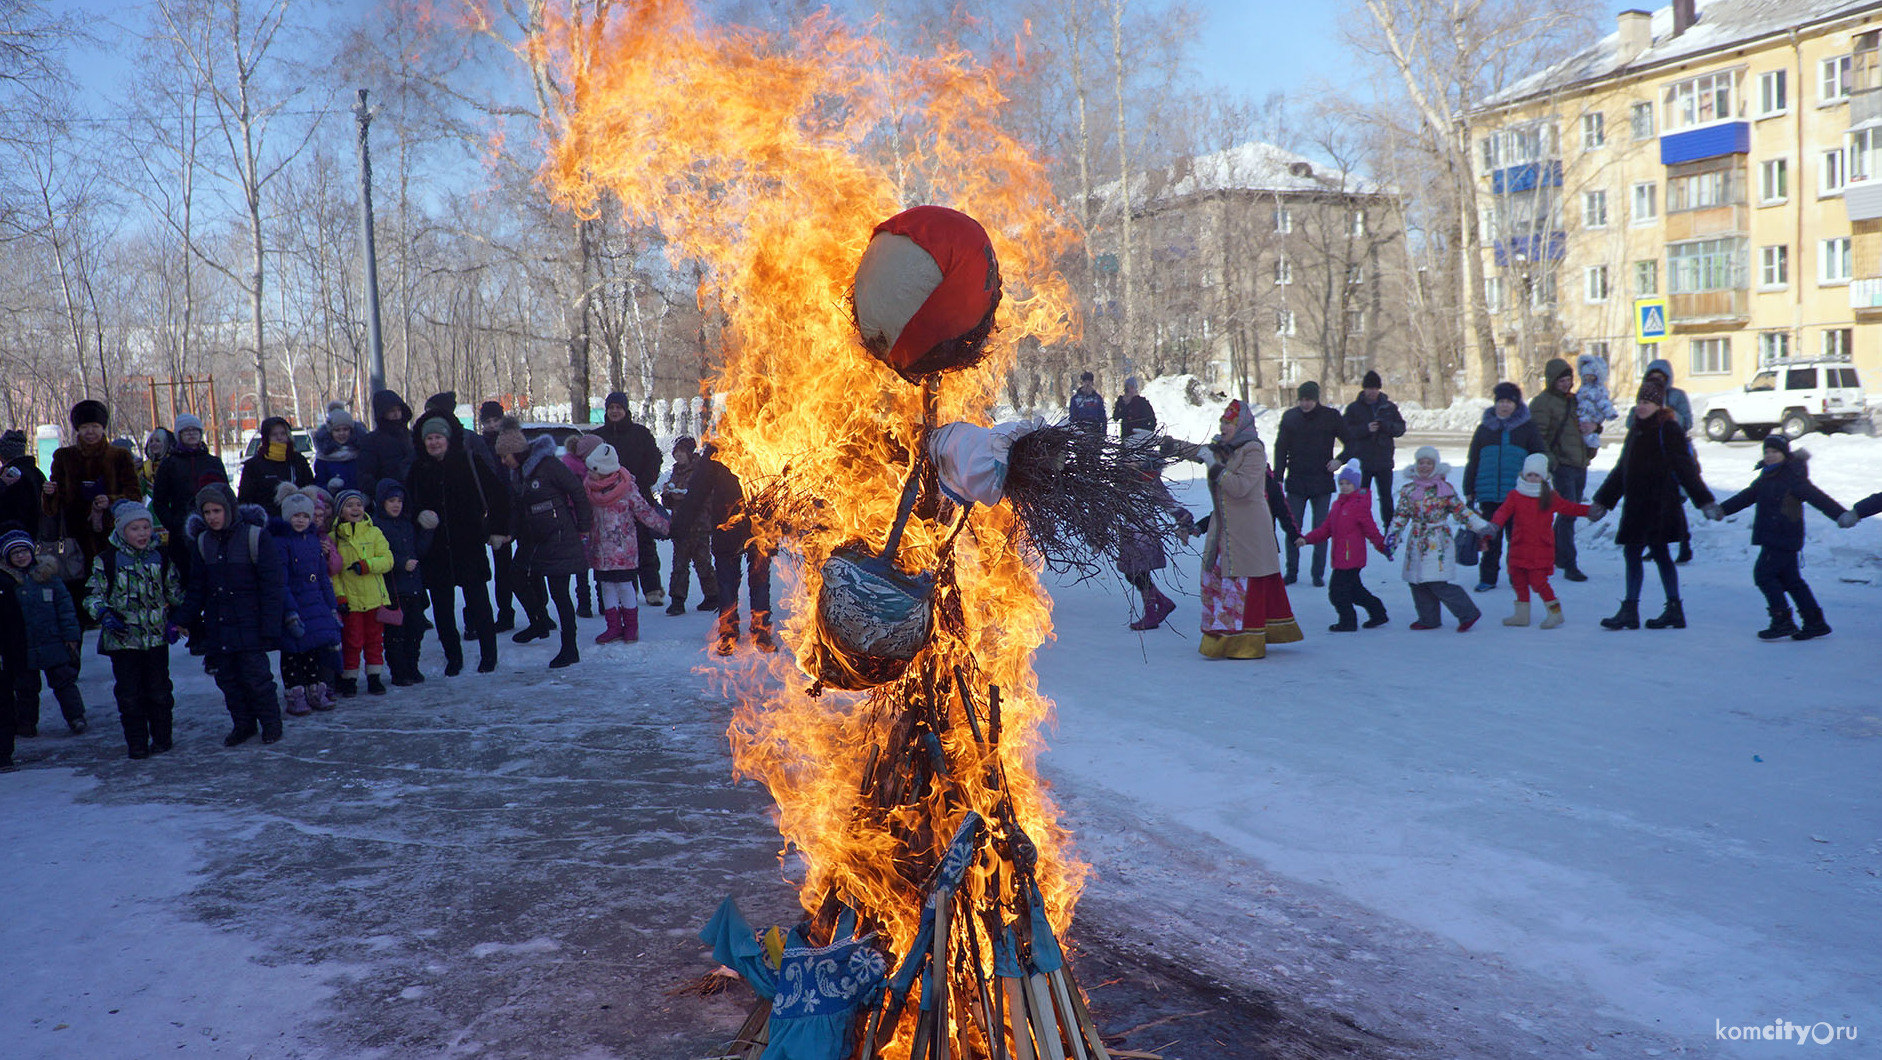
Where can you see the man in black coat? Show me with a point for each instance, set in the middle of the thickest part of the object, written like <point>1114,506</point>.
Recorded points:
<point>463,500</point>
<point>714,500</point>
<point>503,586</point>
<point>185,470</point>
<point>1372,422</point>
<point>641,457</point>
<point>22,484</point>
<point>1303,459</point>
<point>1133,411</point>
<point>386,450</point>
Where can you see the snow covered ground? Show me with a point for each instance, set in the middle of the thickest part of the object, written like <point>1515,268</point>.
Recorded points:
<point>1507,843</point>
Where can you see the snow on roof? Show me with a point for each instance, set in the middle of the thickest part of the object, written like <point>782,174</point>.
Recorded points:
<point>1254,166</point>
<point>1721,24</point>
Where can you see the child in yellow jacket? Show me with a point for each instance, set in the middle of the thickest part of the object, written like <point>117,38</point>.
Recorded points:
<point>365,560</point>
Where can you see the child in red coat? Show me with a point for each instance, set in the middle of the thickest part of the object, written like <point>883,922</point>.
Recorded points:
<point>1349,526</point>
<point>1529,513</point>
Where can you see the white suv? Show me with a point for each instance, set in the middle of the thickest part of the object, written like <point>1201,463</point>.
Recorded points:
<point>1796,397</point>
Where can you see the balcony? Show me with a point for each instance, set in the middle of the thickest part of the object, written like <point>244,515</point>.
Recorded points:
<point>1530,248</point>
<point>1707,141</point>
<point>1865,295</point>
<point>1732,219</point>
<point>1707,309</point>
<point>1526,177</point>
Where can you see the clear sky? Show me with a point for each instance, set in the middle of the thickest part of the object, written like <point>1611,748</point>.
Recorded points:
<point>1255,47</point>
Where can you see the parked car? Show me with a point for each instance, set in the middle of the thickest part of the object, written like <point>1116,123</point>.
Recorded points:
<point>303,442</point>
<point>1795,397</point>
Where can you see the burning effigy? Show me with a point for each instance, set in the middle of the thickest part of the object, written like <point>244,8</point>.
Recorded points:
<point>866,342</point>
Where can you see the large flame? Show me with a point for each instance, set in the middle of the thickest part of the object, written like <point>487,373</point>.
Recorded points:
<point>768,161</point>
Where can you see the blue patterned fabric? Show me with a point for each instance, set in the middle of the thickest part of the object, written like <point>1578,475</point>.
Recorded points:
<point>735,946</point>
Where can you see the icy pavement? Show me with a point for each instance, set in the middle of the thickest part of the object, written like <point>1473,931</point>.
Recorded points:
<point>1386,844</point>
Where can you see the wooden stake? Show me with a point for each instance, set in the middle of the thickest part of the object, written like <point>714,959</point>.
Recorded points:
<point>944,900</point>
<point>1068,1019</point>
<point>1015,992</point>
<point>1044,1020</point>
<point>1085,1021</point>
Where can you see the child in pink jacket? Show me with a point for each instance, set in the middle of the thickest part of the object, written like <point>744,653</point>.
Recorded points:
<point>1349,526</point>
<point>614,542</point>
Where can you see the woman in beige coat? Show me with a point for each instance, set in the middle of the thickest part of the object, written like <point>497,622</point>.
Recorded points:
<point>1244,603</point>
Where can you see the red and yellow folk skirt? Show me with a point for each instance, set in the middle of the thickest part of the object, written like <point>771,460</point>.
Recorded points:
<point>1242,616</point>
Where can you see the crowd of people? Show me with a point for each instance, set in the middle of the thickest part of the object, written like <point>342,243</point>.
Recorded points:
<point>341,565</point>
<point>1522,490</point>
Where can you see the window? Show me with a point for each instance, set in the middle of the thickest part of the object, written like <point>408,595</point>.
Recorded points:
<point>1358,228</point>
<point>1520,145</point>
<point>1355,321</point>
<point>1355,275</point>
<point>1700,100</point>
<point>1646,279</point>
<point>1542,291</point>
<point>1595,283</point>
<point>1594,131</point>
<point>1493,293</point>
<point>1773,98</point>
<point>1705,265</point>
<point>1773,346</point>
<point>1284,322</point>
<point>1843,378</point>
<point>1711,356</point>
<point>1698,191</point>
<point>1832,80</point>
<point>1594,209</point>
<point>1599,349</point>
<point>1837,346</point>
<point>1832,174</point>
<point>1762,381</point>
<point>1800,379</point>
<point>1283,219</point>
<point>1774,180</point>
<point>1487,228</point>
<point>1640,120</point>
<point>1645,353</point>
<point>1489,154</point>
<point>1864,144</point>
<point>1833,265</point>
<point>1283,272</point>
<point>1646,202</point>
<point>1774,266</point>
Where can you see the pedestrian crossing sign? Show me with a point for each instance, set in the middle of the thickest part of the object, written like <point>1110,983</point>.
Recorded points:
<point>1649,320</point>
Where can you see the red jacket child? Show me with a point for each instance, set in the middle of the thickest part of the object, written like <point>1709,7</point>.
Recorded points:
<point>1531,523</point>
<point>1349,526</point>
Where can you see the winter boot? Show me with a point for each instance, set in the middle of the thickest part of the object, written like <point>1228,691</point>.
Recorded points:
<point>1345,626</point>
<point>569,655</point>
<point>375,684</point>
<point>676,608</point>
<point>78,725</point>
<point>347,685</point>
<point>297,702</point>
<point>710,603</point>
<point>1628,617</point>
<point>1375,619</point>
<point>453,663</point>
<point>1781,627</point>
<point>1814,625</point>
<point>761,632</point>
<point>1574,574</point>
<point>630,624</point>
<point>1464,626</point>
<point>239,734</point>
<point>656,597</point>
<point>1554,618</point>
<point>1521,617</point>
<point>1164,606</point>
<point>320,697</point>
<point>1685,555</point>
<point>506,621</point>
<point>538,629</point>
<point>584,599</point>
<point>613,632</point>
<point>1674,617</point>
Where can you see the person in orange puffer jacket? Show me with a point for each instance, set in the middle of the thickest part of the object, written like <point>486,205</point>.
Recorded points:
<point>1529,512</point>
<point>1349,526</point>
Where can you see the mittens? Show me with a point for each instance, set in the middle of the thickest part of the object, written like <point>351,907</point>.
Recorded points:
<point>113,621</point>
<point>295,627</point>
<point>1847,520</point>
<point>171,634</point>
<point>1596,513</point>
<point>1714,512</point>
<point>427,520</point>
<point>358,566</point>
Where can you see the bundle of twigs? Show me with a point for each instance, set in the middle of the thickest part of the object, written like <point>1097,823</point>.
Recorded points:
<point>1081,495</point>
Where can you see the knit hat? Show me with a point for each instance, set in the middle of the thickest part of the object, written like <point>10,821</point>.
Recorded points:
<point>489,410</point>
<point>1371,380</point>
<point>1776,440</point>
<point>1085,377</point>
<point>1651,391</point>
<point>340,499</point>
<point>604,460</point>
<point>510,439</point>
<point>1507,391</point>
<point>12,445</point>
<point>1351,474</point>
<point>297,503</point>
<point>89,411</point>
<point>13,539</point>
<point>618,398</point>
<point>583,444</point>
<point>217,493</point>
<point>1537,464</point>
<point>431,425</point>
<point>686,443</point>
<point>1131,382</point>
<point>1426,452</point>
<point>337,416</point>
<point>187,422</point>
<point>1308,391</point>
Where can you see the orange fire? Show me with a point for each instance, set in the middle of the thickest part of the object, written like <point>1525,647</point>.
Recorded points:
<point>768,160</point>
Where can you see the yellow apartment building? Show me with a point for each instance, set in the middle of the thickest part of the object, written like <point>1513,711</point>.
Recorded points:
<point>1724,157</point>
